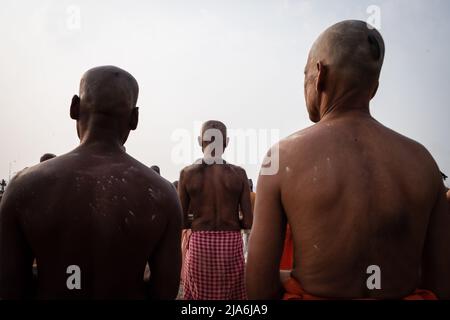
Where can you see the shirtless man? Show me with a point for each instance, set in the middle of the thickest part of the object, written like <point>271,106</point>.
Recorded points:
<point>355,193</point>
<point>213,191</point>
<point>95,216</point>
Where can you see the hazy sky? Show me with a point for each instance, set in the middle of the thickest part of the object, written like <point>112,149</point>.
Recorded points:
<point>238,61</point>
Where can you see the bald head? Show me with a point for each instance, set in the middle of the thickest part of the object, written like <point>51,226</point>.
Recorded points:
<point>212,130</point>
<point>347,56</point>
<point>351,48</point>
<point>107,99</point>
<point>214,124</point>
<point>108,90</point>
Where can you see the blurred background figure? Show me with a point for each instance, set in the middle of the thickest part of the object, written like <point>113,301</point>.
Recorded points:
<point>47,156</point>
<point>156,169</point>
<point>246,232</point>
<point>2,188</point>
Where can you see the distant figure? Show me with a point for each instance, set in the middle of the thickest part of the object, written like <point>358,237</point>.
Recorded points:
<point>252,194</point>
<point>156,169</point>
<point>47,156</point>
<point>2,188</point>
<point>213,190</point>
<point>444,177</point>
<point>95,216</point>
<point>246,232</point>
<point>366,205</point>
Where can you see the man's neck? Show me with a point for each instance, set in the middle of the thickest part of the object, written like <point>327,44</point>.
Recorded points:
<point>350,101</point>
<point>101,133</point>
<point>101,142</point>
<point>213,160</point>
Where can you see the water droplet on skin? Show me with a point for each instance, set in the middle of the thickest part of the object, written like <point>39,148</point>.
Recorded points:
<point>131,213</point>
<point>153,216</point>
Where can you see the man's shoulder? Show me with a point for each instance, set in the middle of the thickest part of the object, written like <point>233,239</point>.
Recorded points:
<point>295,145</point>
<point>191,169</point>
<point>147,173</point>
<point>24,181</point>
<point>235,168</point>
<point>414,148</point>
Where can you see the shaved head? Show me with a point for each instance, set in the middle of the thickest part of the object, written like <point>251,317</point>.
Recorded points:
<point>215,124</point>
<point>346,58</point>
<point>211,130</point>
<point>108,90</point>
<point>106,105</point>
<point>353,48</point>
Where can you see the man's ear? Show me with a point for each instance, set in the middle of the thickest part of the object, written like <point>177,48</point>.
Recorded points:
<point>199,140</point>
<point>227,141</point>
<point>321,76</point>
<point>375,90</point>
<point>75,108</point>
<point>134,118</point>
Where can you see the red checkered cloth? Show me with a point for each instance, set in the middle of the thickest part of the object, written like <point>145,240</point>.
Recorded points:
<point>214,266</point>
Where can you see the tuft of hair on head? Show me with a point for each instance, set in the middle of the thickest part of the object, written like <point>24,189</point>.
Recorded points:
<point>352,48</point>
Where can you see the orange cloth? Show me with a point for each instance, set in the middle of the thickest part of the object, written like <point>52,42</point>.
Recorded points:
<point>287,259</point>
<point>252,200</point>
<point>294,291</point>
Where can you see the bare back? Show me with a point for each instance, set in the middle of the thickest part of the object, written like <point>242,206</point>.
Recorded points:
<point>104,212</point>
<point>356,194</point>
<point>352,201</point>
<point>213,194</point>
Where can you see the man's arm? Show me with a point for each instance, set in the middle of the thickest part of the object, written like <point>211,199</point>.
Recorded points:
<point>165,263</point>
<point>184,199</point>
<point>436,255</point>
<point>245,203</point>
<point>16,258</point>
<point>266,241</point>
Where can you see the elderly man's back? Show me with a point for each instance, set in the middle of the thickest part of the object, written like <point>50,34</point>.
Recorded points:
<point>357,194</point>
<point>366,205</point>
